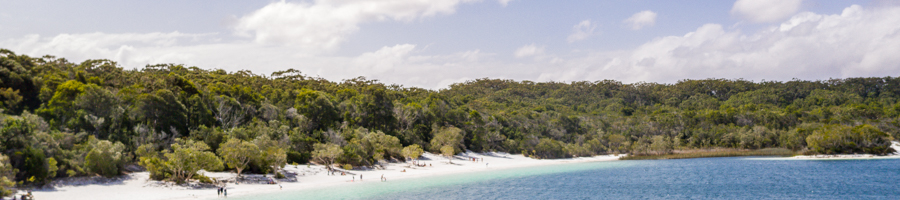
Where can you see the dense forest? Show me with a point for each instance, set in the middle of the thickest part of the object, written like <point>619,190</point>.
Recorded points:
<point>60,119</point>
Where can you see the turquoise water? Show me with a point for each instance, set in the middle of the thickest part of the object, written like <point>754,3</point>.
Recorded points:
<point>704,178</point>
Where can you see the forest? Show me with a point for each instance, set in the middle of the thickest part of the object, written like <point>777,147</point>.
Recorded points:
<point>63,119</point>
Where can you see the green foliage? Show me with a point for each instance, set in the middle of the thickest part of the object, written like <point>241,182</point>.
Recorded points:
<point>237,154</point>
<point>274,157</point>
<point>298,157</point>
<point>412,151</point>
<point>181,163</point>
<point>7,177</point>
<point>105,158</point>
<point>326,153</point>
<point>292,117</point>
<point>549,148</point>
<point>187,157</point>
<point>447,137</point>
<point>150,158</point>
<point>318,107</point>
<point>34,166</point>
<point>837,139</point>
<point>52,167</point>
<point>448,151</point>
<point>203,179</point>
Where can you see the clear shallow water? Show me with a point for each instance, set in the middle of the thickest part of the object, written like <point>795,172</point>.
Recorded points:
<point>704,178</point>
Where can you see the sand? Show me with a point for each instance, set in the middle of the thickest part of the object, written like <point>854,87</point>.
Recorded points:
<point>137,186</point>
<point>894,144</point>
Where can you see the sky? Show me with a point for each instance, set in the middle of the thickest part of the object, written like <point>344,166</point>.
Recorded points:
<point>435,43</point>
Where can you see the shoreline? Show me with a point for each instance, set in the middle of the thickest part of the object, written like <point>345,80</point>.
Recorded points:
<point>894,145</point>
<point>137,186</point>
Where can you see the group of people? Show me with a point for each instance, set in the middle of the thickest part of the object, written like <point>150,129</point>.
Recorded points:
<point>27,196</point>
<point>474,159</point>
<point>222,191</point>
<point>421,165</point>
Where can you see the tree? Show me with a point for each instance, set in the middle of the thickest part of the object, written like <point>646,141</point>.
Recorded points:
<point>7,177</point>
<point>377,145</point>
<point>447,136</point>
<point>237,154</point>
<point>412,151</point>
<point>274,157</point>
<point>447,150</point>
<point>447,140</point>
<point>164,112</point>
<point>660,145</point>
<point>35,166</point>
<point>326,153</point>
<point>837,139</point>
<point>318,107</point>
<point>151,159</point>
<point>105,158</point>
<point>188,157</point>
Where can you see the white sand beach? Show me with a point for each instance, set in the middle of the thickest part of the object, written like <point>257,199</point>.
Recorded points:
<point>137,186</point>
<point>894,144</point>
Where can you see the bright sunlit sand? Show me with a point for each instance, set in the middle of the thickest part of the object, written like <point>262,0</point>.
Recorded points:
<point>137,186</point>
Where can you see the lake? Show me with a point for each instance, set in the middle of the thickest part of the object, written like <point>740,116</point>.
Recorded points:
<point>702,178</point>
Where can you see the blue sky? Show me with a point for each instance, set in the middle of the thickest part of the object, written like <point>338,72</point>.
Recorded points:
<point>432,44</point>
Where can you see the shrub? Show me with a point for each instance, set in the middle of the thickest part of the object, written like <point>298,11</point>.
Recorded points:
<point>203,178</point>
<point>298,157</point>
<point>838,139</point>
<point>35,165</point>
<point>105,158</point>
<point>7,176</point>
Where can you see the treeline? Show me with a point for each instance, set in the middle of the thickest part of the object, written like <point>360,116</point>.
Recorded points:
<point>58,117</point>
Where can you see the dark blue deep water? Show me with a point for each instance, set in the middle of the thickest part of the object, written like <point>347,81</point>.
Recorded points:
<point>703,178</point>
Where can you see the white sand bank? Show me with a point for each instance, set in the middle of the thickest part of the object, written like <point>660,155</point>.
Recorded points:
<point>894,144</point>
<point>137,186</point>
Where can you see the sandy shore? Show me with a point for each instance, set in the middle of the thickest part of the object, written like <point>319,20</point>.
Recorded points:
<point>894,144</point>
<point>137,186</point>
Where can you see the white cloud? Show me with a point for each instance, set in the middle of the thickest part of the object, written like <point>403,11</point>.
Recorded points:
<point>581,31</point>
<point>765,11</point>
<point>324,24</point>
<point>641,19</point>
<point>385,59</point>
<point>528,50</point>
<point>391,64</point>
<point>504,2</point>
<point>806,46</point>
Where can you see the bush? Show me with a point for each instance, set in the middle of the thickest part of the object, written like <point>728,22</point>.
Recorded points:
<point>838,139</point>
<point>35,166</point>
<point>7,173</point>
<point>348,166</point>
<point>105,158</point>
<point>298,157</point>
<point>203,178</point>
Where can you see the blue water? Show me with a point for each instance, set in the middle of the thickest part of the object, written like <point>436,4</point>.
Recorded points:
<point>703,178</point>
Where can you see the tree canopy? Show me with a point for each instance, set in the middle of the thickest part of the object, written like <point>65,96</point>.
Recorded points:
<point>58,117</point>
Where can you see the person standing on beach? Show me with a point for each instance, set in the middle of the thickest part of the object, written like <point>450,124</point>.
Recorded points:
<point>360,177</point>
